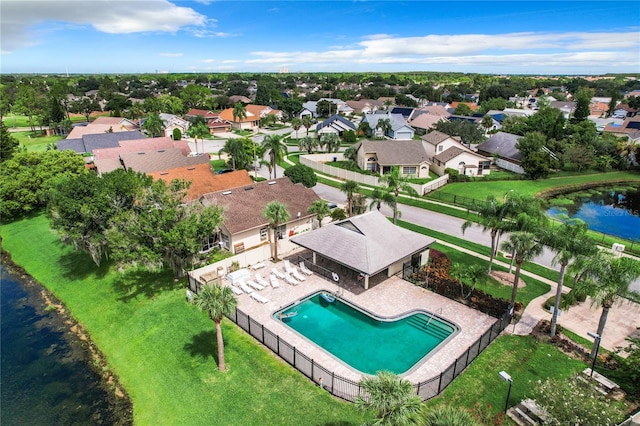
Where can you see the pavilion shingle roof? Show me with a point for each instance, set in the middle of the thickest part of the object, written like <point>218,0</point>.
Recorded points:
<point>368,243</point>
<point>435,137</point>
<point>243,206</point>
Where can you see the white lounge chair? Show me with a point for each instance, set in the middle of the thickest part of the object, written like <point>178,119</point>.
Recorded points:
<point>261,281</point>
<point>298,276</point>
<point>236,290</point>
<point>254,284</point>
<point>288,268</point>
<point>259,298</point>
<point>288,278</point>
<point>245,287</point>
<point>305,270</point>
<point>275,282</point>
<point>278,273</point>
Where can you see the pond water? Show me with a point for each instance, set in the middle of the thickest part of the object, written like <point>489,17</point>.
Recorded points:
<point>46,377</point>
<point>611,211</point>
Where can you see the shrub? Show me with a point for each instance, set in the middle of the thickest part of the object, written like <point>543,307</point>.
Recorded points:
<point>349,136</point>
<point>177,134</point>
<point>302,174</point>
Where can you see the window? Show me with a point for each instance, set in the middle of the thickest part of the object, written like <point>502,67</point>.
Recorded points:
<point>440,148</point>
<point>209,244</point>
<point>281,231</point>
<point>409,170</point>
<point>225,241</point>
<point>264,233</point>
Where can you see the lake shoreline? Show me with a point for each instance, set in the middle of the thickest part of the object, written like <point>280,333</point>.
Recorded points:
<point>120,409</point>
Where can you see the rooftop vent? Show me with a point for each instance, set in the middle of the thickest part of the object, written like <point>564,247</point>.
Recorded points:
<point>141,153</point>
<point>164,173</point>
<point>226,193</point>
<point>248,188</point>
<point>273,182</point>
<point>161,150</point>
<point>191,168</point>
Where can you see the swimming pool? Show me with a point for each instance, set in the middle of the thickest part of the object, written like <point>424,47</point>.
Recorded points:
<point>363,341</point>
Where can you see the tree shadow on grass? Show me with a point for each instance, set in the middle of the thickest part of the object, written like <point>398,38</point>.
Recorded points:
<point>204,345</point>
<point>78,265</point>
<point>136,282</point>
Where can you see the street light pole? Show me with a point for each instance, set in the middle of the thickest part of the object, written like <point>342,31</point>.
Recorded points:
<point>596,338</point>
<point>507,378</point>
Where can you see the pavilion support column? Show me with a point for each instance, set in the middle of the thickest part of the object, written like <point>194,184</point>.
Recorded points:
<point>314,257</point>
<point>366,282</point>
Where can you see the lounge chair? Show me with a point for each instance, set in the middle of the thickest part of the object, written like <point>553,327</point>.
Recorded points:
<point>298,276</point>
<point>236,290</point>
<point>254,284</point>
<point>305,270</point>
<point>261,281</point>
<point>288,268</point>
<point>278,273</point>
<point>288,278</point>
<point>245,287</point>
<point>275,282</point>
<point>259,298</point>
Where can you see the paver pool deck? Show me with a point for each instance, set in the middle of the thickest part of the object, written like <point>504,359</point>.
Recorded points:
<point>390,298</point>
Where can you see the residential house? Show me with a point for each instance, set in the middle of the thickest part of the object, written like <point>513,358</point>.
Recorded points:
<point>448,152</point>
<point>454,105</point>
<point>309,107</point>
<point>206,114</point>
<point>399,128</point>
<point>89,142</point>
<point>336,124</point>
<point>502,147</point>
<point>381,156</point>
<point>425,122</point>
<point>108,159</point>
<point>567,107</point>
<point>171,122</point>
<point>254,113</point>
<point>405,112</point>
<point>237,98</point>
<point>629,125</point>
<point>364,106</point>
<point>203,179</point>
<point>159,160</point>
<point>103,125</point>
<point>244,227</point>
<point>598,109</point>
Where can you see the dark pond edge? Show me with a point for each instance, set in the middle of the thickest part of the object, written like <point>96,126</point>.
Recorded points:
<point>120,407</point>
<point>565,189</point>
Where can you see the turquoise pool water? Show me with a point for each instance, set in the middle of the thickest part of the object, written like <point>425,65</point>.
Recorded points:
<point>364,342</point>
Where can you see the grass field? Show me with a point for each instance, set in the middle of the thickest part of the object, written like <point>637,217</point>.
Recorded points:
<point>480,190</point>
<point>35,142</point>
<point>163,349</point>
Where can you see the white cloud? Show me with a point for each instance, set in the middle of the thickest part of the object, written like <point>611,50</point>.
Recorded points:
<point>114,17</point>
<point>172,55</point>
<point>202,33</point>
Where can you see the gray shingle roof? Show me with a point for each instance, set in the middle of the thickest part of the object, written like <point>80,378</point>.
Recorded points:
<point>502,144</point>
<point>76,145</point>
<point>89,142</point>
<point>368,243</point>
<point>336,117</point>
<point>158,160</point>
<point>243,208</point>
<point>435,137</point>
<point>396,153</point>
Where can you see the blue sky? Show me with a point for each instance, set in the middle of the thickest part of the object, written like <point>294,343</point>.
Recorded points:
<point>135,36</point>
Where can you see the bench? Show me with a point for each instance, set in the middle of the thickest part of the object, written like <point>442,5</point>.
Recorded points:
<point>521,414</point>
<point>606,385</point>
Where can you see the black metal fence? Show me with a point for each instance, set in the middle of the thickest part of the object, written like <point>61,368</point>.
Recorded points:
<point>348,389</point>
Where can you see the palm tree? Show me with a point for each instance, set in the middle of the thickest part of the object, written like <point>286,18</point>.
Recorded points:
<point>153,125</point>
<point>234,147</point>
<point>349,187</point>
<point>475,273</point>
<point>296,123</point>
<point>396,182</point>
<point>379,196</point>
<point>198,130</point>
<point>239,113</point>
<point>568,241</point>
<point>321,209</point>
<point>307,122</point>
<point>525,247</point>
<point>219,301</point>
<point>364,128</point>
<point>392,398</point>
<point>276,213</point>
<point>276,148</point>
<point>607,281</point>
<point>384,125</point>
<point>331,142</point>
<point>448,416</point>
<point>308,143</point>
<point>491,215</point>
<point>487,122</point>
<point>268,165</point>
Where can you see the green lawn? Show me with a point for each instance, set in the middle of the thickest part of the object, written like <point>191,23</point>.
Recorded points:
<point>480,190</point>
<point>35,142</point>
<point>524,359</point>
<point>163,350</point>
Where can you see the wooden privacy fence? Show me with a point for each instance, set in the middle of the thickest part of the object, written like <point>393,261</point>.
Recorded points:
<point>348,389</point>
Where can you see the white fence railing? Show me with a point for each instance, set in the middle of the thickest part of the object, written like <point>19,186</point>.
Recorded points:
<point>317,162</point>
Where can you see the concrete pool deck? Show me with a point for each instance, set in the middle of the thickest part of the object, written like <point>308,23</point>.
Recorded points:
<point>389,298</point>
